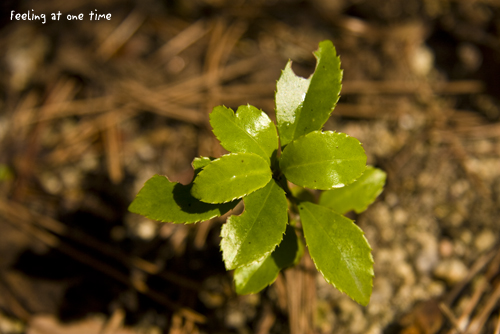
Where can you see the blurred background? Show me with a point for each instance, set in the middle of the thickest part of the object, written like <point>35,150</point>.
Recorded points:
<point>89,110</point>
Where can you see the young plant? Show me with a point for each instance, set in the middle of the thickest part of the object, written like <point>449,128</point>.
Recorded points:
<point>266,237</point>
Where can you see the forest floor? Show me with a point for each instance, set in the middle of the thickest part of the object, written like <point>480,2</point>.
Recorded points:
<point>91,109</point>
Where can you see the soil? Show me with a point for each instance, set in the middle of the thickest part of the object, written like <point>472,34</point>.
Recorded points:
<point>91,109</point>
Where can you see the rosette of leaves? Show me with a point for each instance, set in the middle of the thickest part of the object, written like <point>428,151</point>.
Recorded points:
<point>267,236</point>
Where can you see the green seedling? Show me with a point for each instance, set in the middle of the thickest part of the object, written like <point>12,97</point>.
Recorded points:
<point>270,175</point>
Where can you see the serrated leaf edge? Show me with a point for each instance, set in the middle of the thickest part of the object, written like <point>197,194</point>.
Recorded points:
<point>168,221</point>
<point>288,67</point>
<point>265,254</point>
<point>317,55</point>
<point>356,281</point>
<point>322,132</point>
<point>371,199</point>
<point>244,131</point>
<point>374,197</point>
<point>237,197</point>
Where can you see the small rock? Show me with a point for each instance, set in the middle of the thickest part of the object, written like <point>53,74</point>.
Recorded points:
<point>51,183</point>
<point>400,216</point>
<point>235,318</point>
<point>485,240</point>
<point>422,60</point>
<point>428,255</point>
<point>445,248</point>
<point>451,270</point>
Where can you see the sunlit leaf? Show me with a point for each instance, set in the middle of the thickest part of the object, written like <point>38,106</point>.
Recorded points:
<point>304,105</point>
<point>323,160</point>
<point>200,162</point>
<point>358,195</point>
<point>230,177</point>
<point>258,230</point>
<point>250,130</point>
<point>339,250</point>
<point>166,201</point>
<point>254,277</point>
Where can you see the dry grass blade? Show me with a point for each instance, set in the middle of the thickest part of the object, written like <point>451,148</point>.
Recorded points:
<point>480,131</point>
<point>24,114</point>
<point>451,317</point>
<point>477,324</point>
<point>301,296</point>
<point>114,323</point>
<point>464,322</point>
<point>181,41</point>
<point>478,266</point>
<point>190,87</point>
<point>74,108</point>
<point>64,90</point>
<point>13,303</point>
<point>62,94</point>
<point>112,148</point>
<point>408,87</point>
<point>221,43</point>
<point>497,328</point>
<point>75,143</point>
<point>137,93</point>
<point>121,35</point>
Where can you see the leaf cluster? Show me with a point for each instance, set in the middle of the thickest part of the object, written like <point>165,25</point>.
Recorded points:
<point>260,170</point>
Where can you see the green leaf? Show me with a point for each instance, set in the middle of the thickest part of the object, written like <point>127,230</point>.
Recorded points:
<point>250,130</point>
<point>356,196</point>
<point>304,105</point>
<point>230,177</point>
<point>258,230</point>
<point>167,201</point>
<point>254,277</point>
<point>339,250</point>
<point>290,94</point>
<point>323,160</point>
<point>200,162</point>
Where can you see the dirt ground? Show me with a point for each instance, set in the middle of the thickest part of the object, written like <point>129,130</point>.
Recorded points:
<point>89,110</point>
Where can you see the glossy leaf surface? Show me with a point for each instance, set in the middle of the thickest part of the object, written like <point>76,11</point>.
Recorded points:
<point>230,177</point>
<point>304,105</point>
<point>358,195</point>
<point>254,277</point>
<point>166,201</point>
<point>249,130</point>
<point>323,160</point>
<point>200,162</point>
<point>339,250</point>
<point>258,230</point>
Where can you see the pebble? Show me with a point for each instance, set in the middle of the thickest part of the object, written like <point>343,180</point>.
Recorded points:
<point>400,216</point>
<point>485,240</point>
<point>146,229</point>
<point>445,248</point>
<point>51,183</point>
<point>422,60</point>
<point>451,270</point>
<point>235,318</point>
<point>405,271</point>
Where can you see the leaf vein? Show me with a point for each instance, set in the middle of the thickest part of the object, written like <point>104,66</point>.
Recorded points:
<point>233,120</point>
<point>347,263</point>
